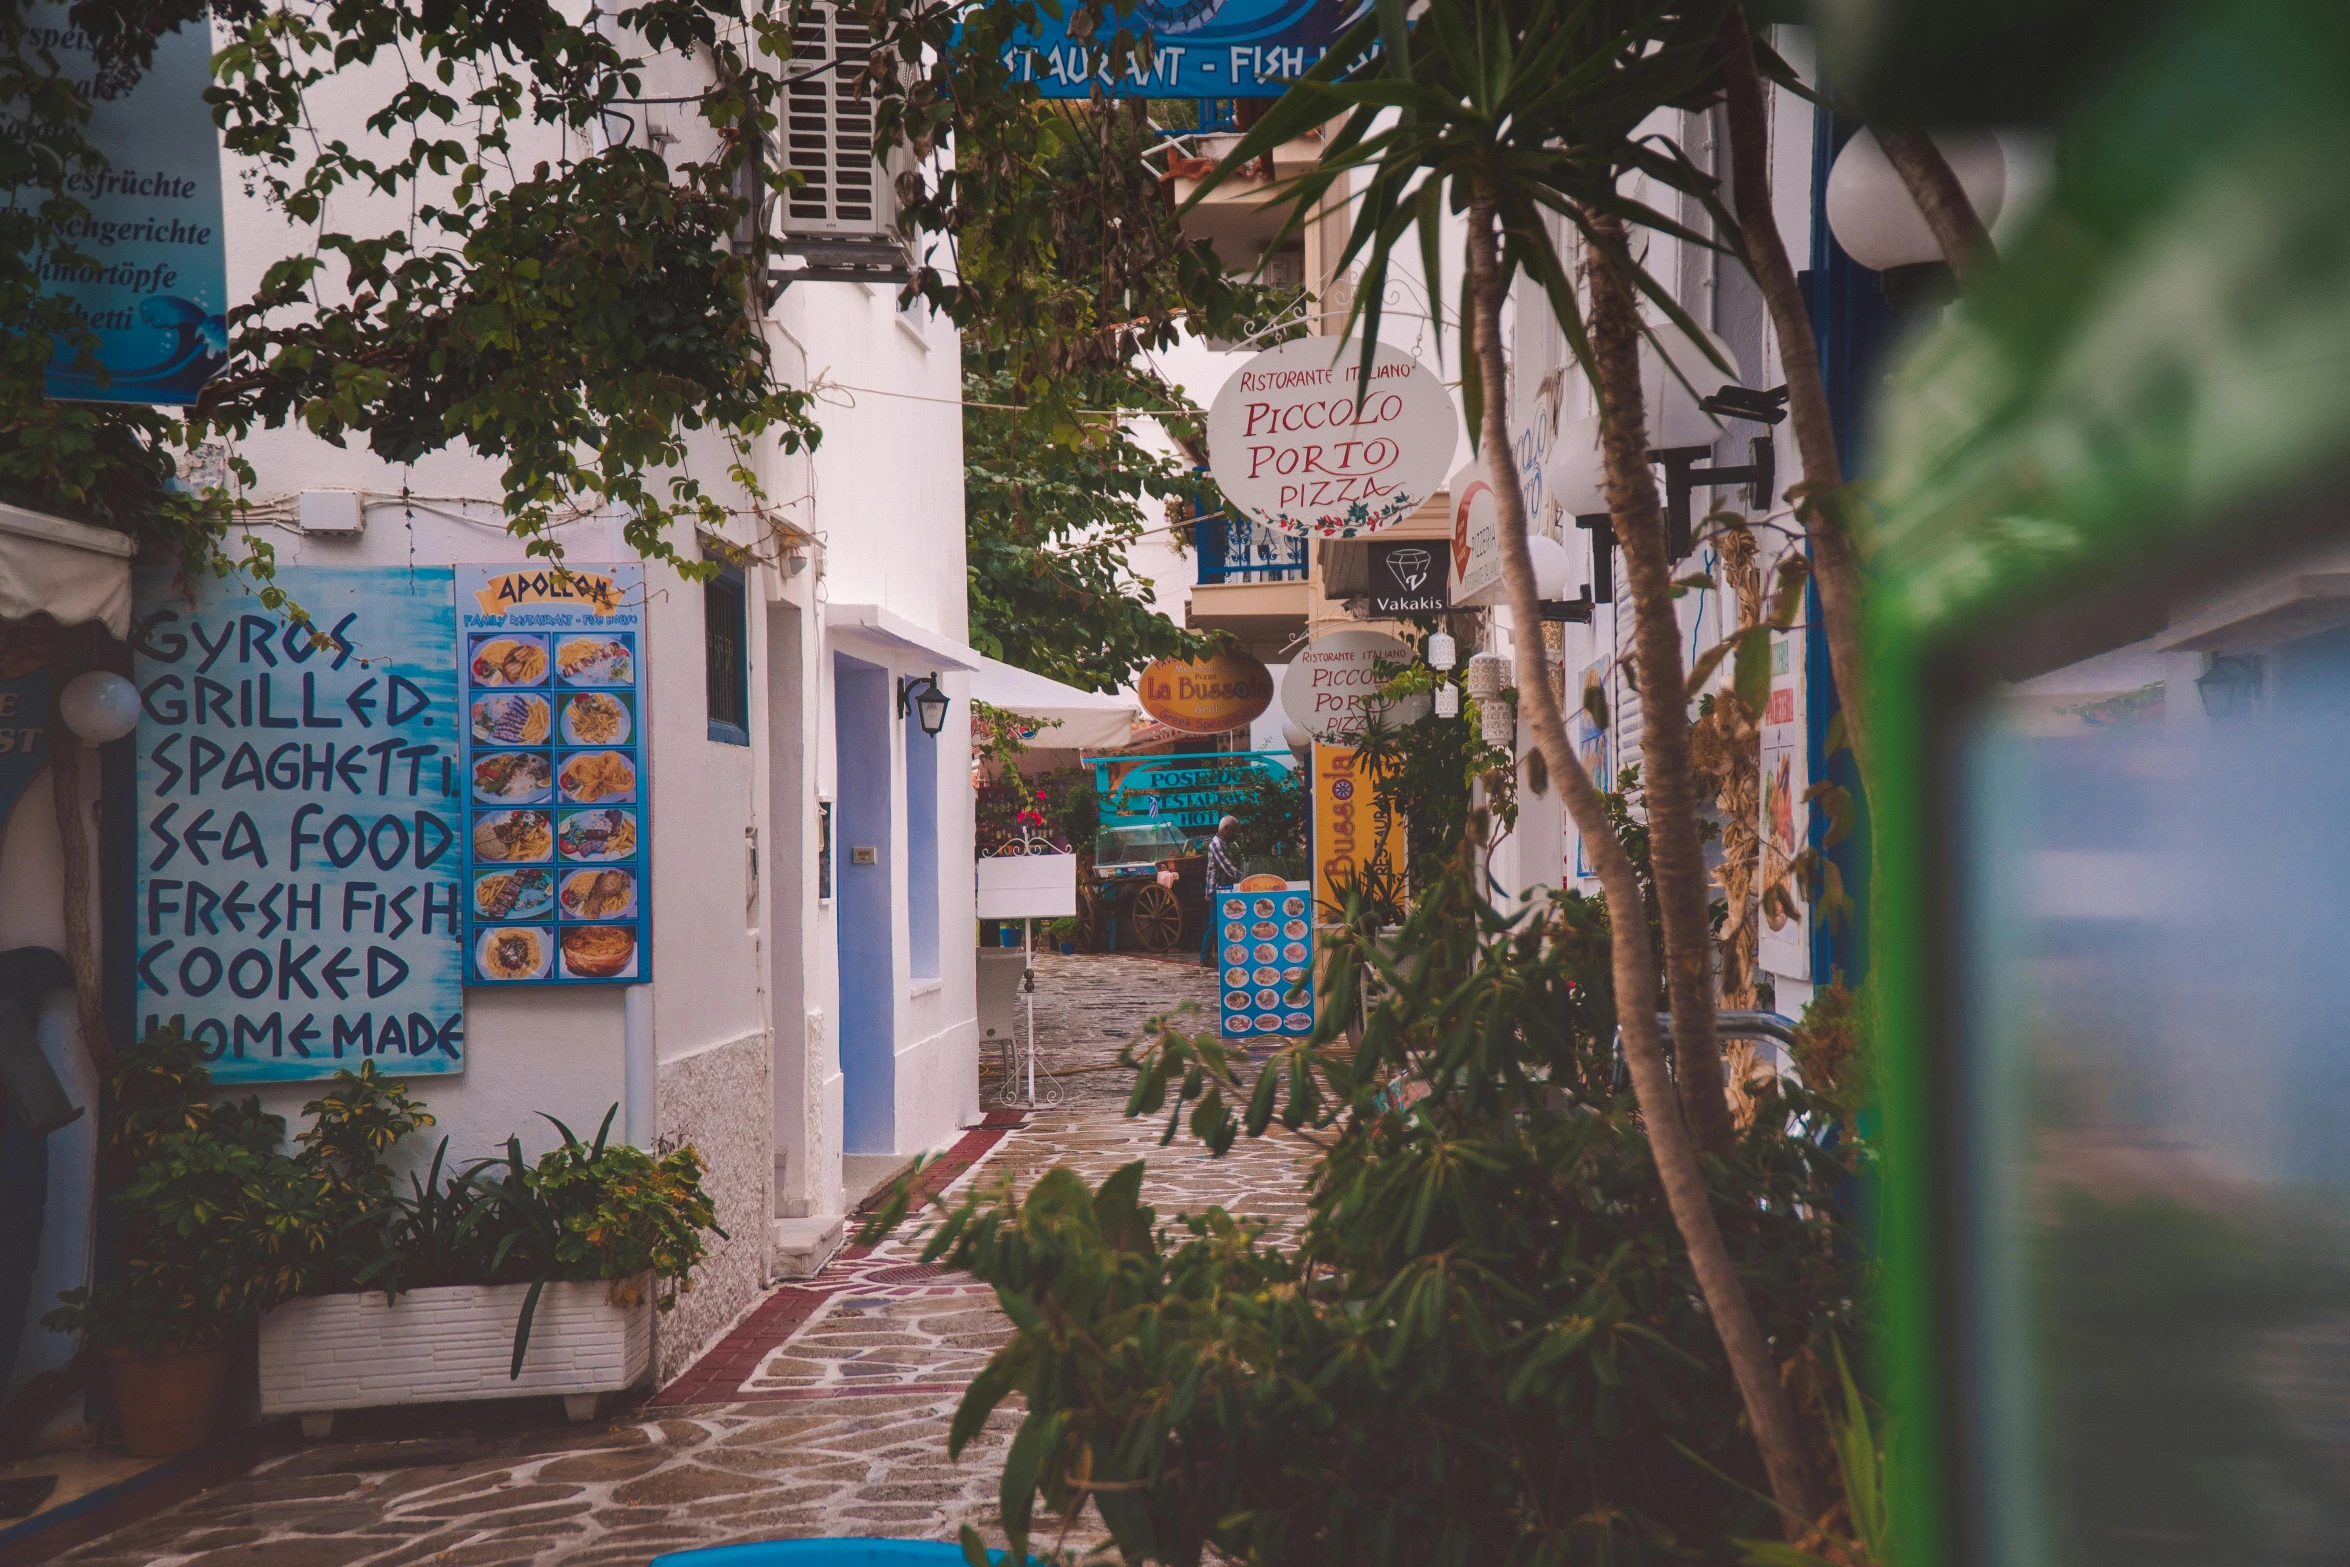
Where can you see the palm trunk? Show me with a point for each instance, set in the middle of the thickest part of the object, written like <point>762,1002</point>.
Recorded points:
<point>1632,962</point>
<point>1676,849</point>
<point>1823,505</point>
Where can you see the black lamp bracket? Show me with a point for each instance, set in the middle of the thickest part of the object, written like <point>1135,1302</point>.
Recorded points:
<point>908,688</point>
<point>1682,476</point>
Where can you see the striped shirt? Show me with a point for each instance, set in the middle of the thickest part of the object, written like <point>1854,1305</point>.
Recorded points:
<point>1222,872</point>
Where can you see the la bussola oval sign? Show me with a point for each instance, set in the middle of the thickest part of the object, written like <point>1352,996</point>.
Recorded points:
<point>1209,696</point>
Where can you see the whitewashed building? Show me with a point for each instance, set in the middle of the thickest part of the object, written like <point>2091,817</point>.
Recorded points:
<point>809,1020</point>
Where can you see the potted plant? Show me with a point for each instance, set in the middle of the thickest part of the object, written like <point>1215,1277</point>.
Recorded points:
<point>217,1224</point>
<point>1064,934</point>
<point>507,1278</point>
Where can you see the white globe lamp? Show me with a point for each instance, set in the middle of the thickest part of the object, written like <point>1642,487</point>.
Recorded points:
<point>1574,475</point>
<point>1551,566</point>
<point>1873,215</point>
<point>99,706</point>
<point>1674,419</point>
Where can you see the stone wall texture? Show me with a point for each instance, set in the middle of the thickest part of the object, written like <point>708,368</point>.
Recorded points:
<point>723,1102</point>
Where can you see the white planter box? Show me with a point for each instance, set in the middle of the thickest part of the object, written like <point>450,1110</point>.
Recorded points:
<point>434,1346</point>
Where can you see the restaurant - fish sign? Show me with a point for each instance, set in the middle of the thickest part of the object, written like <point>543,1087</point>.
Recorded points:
<point>298,861</point>
<point>1297,440</point>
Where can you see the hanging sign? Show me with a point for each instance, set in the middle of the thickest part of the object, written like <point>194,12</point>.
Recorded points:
<point>1189,792</point>
<point>556,883</point>
<point>1407,577</point>
<point>1291,447</point>
<point>298,822</point>
<point>1198,48</point>
<point>25,646</point>
<point>1784,945</point>
<point>1475,560</point>
<point>150,266</point>
<point>1357,838</point>
<point>1266,941</point>
<point>1332,688</point>
<point>1210,697</point>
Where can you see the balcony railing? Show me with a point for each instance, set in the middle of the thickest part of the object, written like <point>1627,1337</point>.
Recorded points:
<point>1244,552</point>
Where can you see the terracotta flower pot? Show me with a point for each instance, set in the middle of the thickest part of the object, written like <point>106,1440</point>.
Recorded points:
<point>168,1403</point>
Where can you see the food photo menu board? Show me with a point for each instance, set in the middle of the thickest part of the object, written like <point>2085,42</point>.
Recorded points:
<point>1265,937</point>
<point>552,679</point>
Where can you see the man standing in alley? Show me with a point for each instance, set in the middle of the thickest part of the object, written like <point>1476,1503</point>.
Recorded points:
<point>1223,873</point>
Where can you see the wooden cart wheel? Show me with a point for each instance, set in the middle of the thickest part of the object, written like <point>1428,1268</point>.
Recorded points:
<point>1158,918</point>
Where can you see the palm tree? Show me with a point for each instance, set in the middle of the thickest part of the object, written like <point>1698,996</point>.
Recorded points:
<point>1515,113</point>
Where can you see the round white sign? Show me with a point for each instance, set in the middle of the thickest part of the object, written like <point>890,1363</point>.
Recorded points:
<point>1289,447</point>
<point>1331,687</point>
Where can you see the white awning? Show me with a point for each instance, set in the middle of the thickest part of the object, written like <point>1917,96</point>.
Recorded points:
<point>891,630</point>
<point>1087,719</point>
<point>67,570</point>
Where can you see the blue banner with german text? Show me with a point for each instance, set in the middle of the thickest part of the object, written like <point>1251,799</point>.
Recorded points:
<point>145,263</point>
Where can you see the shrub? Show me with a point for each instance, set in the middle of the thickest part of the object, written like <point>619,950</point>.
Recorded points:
<point>1484,1346</point>
<point>219,1223</point>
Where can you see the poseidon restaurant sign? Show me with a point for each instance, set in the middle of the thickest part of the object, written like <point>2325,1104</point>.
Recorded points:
<point>1298,442</point>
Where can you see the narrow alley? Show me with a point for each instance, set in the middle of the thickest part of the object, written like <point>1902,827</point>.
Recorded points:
<point>825,1412</point>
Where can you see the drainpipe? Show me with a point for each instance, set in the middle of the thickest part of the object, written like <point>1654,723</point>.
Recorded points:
<point>640,1123</point>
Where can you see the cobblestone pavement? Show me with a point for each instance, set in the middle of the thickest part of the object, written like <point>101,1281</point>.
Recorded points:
<point>834,1423</point>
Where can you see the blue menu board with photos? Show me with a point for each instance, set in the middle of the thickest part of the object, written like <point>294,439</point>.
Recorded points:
<point>552,680</point>
<point>1266,939</point>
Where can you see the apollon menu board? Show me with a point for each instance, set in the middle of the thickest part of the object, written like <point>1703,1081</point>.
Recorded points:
<point>551,671</point>
<point>299,879</point>
<point>1266,938</point>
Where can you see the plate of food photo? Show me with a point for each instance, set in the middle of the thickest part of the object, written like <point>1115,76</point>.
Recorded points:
<point>589,776</point>
<point>599,895</point>
<point>513,895</point>
<point>509,661</point>
<point>599,951</point>
<point>598,835</point>
<point>513,777</point>
<point>514,952</point>
<point>595,661</point>
<point>511,719</point>
<point>597,718</point>
<point>512,835</point>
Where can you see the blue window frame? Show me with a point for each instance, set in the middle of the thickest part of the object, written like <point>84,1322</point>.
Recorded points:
<point>726,650</point>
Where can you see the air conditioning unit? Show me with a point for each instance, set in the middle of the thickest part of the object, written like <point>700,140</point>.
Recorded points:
<point>840,221</point>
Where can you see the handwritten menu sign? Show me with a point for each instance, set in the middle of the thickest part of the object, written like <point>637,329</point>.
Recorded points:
<point>299,817</point>
<point>1267,942</point>
<point>552,670</point>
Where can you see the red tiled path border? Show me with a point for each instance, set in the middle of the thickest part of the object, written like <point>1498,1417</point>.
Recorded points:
<point>718,1377</point>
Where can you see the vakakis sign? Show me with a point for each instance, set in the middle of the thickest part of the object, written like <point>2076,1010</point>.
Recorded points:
<point>298,853</point>
<point>1210,697</point>
<point>1407,578</point>
<point>1196,48</point>
<point>1298,441</point>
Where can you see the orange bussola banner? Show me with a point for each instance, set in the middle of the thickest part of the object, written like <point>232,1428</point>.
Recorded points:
<point>1352,830</point>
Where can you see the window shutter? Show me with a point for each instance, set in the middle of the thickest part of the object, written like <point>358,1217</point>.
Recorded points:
<point>828,130</point>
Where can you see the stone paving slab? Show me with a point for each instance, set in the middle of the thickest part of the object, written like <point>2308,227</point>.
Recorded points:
<point>832,1421</point>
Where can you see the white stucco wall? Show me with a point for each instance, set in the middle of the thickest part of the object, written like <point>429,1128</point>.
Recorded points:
<point>745,986</point>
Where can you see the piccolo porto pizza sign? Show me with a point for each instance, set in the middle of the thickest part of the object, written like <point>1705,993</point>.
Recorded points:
<point>1298,441</point>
